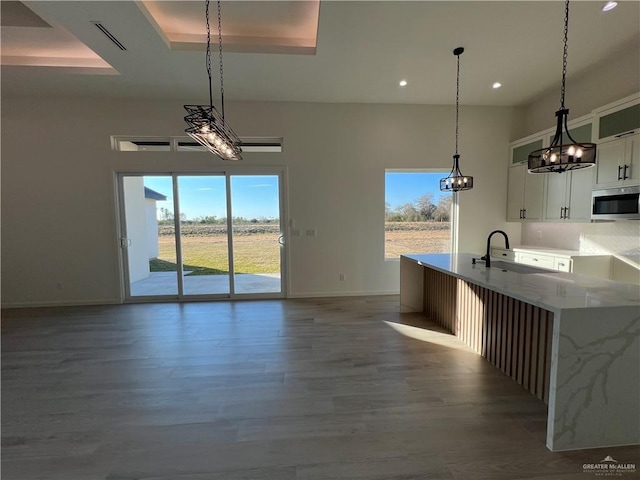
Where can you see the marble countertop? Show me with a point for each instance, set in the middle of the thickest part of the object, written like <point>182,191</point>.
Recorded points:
<point>555,291</point>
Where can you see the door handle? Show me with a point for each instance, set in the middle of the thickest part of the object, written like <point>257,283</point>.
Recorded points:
<point>619,170</point>
<point>281,240</point>
<point>624,175</point>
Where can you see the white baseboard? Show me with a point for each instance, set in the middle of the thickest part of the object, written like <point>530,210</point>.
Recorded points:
<point>341,294</point>
<point>62,303</point>
<point>117,301</point>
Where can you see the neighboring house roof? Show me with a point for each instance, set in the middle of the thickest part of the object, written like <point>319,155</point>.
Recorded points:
<point>153,195</point>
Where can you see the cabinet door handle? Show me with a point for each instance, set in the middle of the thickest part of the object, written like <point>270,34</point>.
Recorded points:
<point>561,264</point>
<point>535,259</point>
<point>561,212</point>
<point>504,254</point>
<point>624,175</point>
<point>619,172</point>
<point>625,134</point>
<point>524,213</point>
<point>566,212</point>
<point>520,213</point>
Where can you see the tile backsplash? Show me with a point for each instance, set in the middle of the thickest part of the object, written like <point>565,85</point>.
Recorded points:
<point>609,238</point>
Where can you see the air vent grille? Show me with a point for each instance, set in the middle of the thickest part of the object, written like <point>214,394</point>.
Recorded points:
<point>109,35</point>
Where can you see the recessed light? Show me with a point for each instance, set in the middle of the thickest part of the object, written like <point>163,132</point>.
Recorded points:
<point>609,6</point>
<point>496,85</point>
<point>403,83</point>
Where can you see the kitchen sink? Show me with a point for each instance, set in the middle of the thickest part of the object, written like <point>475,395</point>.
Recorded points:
<point>517,267</point>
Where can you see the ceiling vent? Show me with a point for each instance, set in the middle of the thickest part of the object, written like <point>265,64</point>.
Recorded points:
<point>109,35</point>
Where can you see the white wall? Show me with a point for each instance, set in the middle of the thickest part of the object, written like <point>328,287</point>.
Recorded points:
<point>617,78</point>
<point>61,181</point>
<point>151,221</point>
<point>136,219</point>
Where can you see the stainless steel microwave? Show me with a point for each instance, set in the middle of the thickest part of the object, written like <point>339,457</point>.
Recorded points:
<point>621,203</point>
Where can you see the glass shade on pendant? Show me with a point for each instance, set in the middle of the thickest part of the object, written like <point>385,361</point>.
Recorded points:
<point>564,153</point>
<point>456,181</point>
<point>207,127</point>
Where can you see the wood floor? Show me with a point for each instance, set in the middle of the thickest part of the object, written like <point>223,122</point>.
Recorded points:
<point>317,389</point>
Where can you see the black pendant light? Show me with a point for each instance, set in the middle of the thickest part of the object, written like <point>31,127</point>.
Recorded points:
<point>205,124</point>
<point>564,153</point>
<point>456,181</point>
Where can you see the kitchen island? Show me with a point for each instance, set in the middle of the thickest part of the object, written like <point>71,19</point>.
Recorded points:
<point>571,340</point>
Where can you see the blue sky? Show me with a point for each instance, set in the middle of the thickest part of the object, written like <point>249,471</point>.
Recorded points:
<point>253,196</point>
<point>407,187</point>
<point>257,196</point>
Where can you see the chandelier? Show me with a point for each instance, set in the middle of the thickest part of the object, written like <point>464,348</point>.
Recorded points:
<point>456,181</point>
<point>564,153</point>
<point>206,124</point>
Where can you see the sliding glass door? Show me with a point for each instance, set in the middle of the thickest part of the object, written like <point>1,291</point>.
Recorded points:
<point>256,233</point>
<point>149,246</point>
<point>202,236</point>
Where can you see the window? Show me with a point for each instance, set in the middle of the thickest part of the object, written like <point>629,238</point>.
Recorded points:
<point>186,144</point>
<point>417,214</point>
<point>143,145</point>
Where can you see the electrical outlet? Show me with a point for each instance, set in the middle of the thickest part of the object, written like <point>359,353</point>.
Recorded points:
<point>342,277</point>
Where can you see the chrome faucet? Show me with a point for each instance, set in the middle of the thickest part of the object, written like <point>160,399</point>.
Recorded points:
<point>487,257</point>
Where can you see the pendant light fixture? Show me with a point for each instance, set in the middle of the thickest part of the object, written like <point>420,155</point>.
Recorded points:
<point>206,124</point>
<point>456,181</point>
<point>564,153</point>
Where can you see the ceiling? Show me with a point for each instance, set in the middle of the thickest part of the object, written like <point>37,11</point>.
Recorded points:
<point>329,51</point>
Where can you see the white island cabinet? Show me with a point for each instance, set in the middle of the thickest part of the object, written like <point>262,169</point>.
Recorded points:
<point>571,340</point>
<point>557,259</point>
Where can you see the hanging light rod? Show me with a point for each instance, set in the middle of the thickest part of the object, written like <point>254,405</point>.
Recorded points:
<point>564,153</point>
<point>206,124</point>
<point>456,181</point>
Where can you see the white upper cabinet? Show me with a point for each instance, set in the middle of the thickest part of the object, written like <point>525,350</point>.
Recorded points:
<point>618,139</point>
<point>568,195</point>
<point>579,202</point>
<point>524,191</point>
<point>618,162</point>
<point>524,194</point>
<point>619,119</point>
